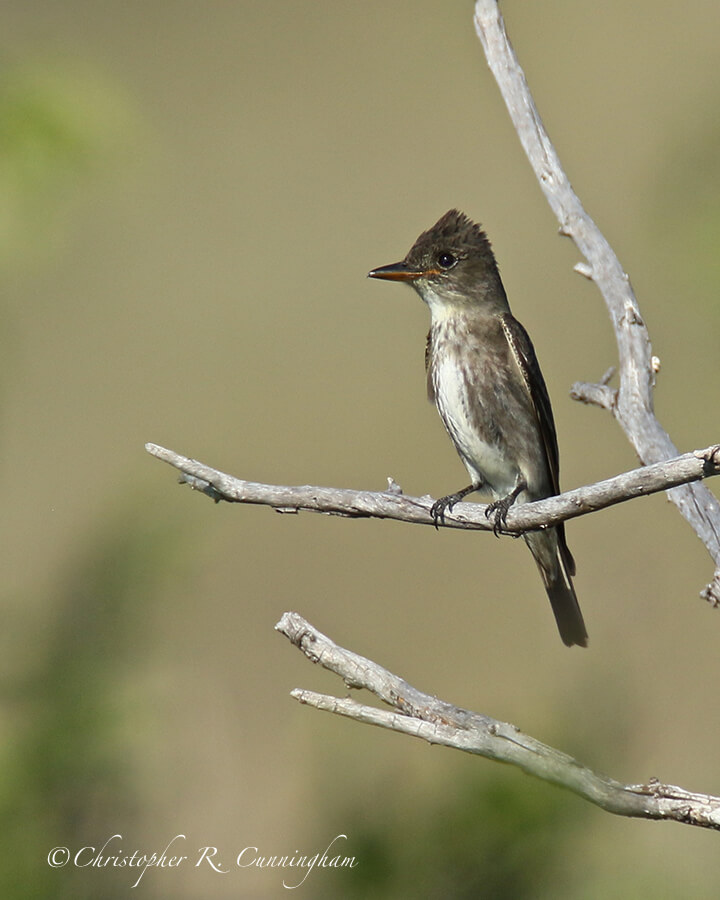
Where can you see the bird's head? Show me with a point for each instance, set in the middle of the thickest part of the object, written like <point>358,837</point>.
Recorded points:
<point>450,264</point>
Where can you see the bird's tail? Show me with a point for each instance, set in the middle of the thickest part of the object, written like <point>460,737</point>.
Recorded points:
<point>557,567</point>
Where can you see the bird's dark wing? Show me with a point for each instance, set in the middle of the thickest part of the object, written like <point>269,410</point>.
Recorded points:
<point>430,387</point>
<point>524,355</point>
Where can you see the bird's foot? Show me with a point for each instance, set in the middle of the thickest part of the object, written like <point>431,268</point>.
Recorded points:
<point>437,510</point>
<point>499,509</point>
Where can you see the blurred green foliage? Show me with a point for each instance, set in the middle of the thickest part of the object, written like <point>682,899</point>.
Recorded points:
<point>63,772</point>
<point>59,124</point>
<point>65,776</point>
<point>503,837</point>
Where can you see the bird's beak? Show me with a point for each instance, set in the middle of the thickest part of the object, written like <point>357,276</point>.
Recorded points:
<point>396,272</point>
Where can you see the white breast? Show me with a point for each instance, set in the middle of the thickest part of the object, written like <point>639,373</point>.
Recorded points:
<point>462,414</point>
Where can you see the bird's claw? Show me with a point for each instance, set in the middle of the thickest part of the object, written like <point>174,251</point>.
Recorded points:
<point>437,510</point>
<point>499,510</point>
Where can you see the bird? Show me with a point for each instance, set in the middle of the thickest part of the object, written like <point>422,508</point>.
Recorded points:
<point>485,380</point>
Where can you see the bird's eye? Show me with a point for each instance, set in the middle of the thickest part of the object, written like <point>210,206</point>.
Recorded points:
<point>446,260</point>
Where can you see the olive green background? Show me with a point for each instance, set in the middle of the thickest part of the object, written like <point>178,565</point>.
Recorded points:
<point>193,194</point>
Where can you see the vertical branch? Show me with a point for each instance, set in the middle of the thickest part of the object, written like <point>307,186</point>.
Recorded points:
<point>632,403</point>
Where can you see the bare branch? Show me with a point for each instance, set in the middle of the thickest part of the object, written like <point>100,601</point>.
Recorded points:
<point>632,404</point>
<point>594,394</point>
<point>393,504</point>
<point>438,722</point>
<point>712,591</point>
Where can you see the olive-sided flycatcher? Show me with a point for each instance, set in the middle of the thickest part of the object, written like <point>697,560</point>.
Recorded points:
<point>484,378</point>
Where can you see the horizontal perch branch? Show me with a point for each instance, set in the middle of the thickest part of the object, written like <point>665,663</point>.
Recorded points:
<point>438,722</point>
<point>393,504</point>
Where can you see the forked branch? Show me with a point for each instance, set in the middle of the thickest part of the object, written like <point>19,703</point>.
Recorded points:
<point>437,722</point>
